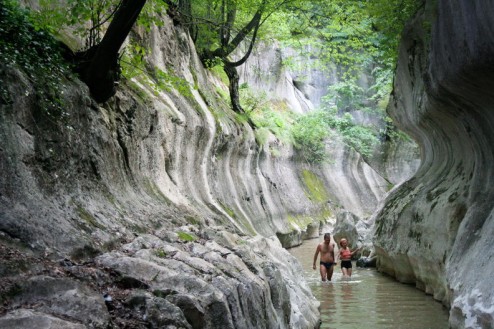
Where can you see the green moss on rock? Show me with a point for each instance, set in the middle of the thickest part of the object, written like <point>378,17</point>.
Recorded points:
<point>315,189</point>
<point>186,236</point>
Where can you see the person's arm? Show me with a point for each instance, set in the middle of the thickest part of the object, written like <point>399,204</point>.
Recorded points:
<point>335,258</point>
<point>315,257</point>
<point>352,252</point>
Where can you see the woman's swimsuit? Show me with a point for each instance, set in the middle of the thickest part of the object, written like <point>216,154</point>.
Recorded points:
<point>346,264</point>
<point>346,253</point>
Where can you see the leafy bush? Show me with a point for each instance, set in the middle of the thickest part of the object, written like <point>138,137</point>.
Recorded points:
<point>310,132</point>
<point>360,138</point>
<point>32,49</point>
<point>266,115</point>
<point>345,94</point>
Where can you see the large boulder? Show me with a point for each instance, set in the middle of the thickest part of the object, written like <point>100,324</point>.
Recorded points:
<point>346,227</point>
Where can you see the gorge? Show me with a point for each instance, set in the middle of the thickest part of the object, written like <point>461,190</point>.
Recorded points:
<point>160,208</point>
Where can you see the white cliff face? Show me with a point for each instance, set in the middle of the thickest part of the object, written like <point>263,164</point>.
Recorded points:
<point>351,183</point>
<point>435,230</point>
<point>148,162</point>
<point>153,161</point>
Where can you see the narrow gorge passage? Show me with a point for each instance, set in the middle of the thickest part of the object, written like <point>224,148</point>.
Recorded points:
<point>370,299</point>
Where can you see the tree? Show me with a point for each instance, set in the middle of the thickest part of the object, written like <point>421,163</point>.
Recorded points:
<point>357,36</point>
<point>98,66</point>
<point>219,28</point>
<point>224,25</point>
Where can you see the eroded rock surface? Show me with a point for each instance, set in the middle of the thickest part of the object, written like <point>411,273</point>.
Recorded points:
<point>117,181</point>
<point>157,282</point>
<point>436,229</point>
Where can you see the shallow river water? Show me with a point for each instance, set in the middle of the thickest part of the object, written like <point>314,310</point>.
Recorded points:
<point>369,300</point>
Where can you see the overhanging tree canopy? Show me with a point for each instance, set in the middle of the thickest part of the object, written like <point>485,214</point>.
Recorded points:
<point>343,30</point>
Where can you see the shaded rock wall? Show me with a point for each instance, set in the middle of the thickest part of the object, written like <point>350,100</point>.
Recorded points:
<point>152,161</point>
<point>436,229</point>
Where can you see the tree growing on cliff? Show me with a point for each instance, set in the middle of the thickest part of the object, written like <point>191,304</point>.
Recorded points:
<point>98,66</point>
<point>225,32</point>
<point>220,27</point>
<point>105,25</point>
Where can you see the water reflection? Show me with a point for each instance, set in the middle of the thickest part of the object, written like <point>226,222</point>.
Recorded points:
<point>369,300</point>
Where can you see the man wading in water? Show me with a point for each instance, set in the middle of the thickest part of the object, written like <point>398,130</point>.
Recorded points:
<point>326,263</point>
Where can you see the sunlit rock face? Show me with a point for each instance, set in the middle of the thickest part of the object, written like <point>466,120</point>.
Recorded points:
<point>283,75</point>
<point>351,182</point>
<point>436,229</point>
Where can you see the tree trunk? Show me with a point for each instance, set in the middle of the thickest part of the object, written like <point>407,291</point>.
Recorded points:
<point>99,68</point>
<point>232,74</point>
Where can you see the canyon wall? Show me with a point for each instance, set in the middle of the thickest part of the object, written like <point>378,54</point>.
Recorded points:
<point>160,198</point>
<point>435,230</point>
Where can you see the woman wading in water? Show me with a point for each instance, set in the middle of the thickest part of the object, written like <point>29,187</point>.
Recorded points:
<point>345,256</point>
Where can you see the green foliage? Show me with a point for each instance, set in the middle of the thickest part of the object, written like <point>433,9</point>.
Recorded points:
<point>32,49</point>
<point>310,133</point>
<point>388,18</point>
<point>262,135</point>
<point>132,60</point>
<point>223,94</point>
<point>55,16</point>
<point>133,65</point>
<point>266,115</point>
<point>362,139</point>
<point>217,69</point>
<point>351,37</point>
<point>188,237</point>
<point>346,94</point>
<point>75,15</point>
<point>358,36</point>
<point>151,14</point>
<point>167,81</point>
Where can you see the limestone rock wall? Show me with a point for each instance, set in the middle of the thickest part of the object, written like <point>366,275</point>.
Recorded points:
<point>436,229</point>
<point>149,159</point>
<point>147,162</point>
<point>352,183</point>
<point>175,160</point>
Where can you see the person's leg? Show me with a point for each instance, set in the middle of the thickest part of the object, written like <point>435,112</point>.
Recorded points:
<point>344,270</point>
<point>323,271</point>
<point>349,272</point>
<point>330,272</point>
